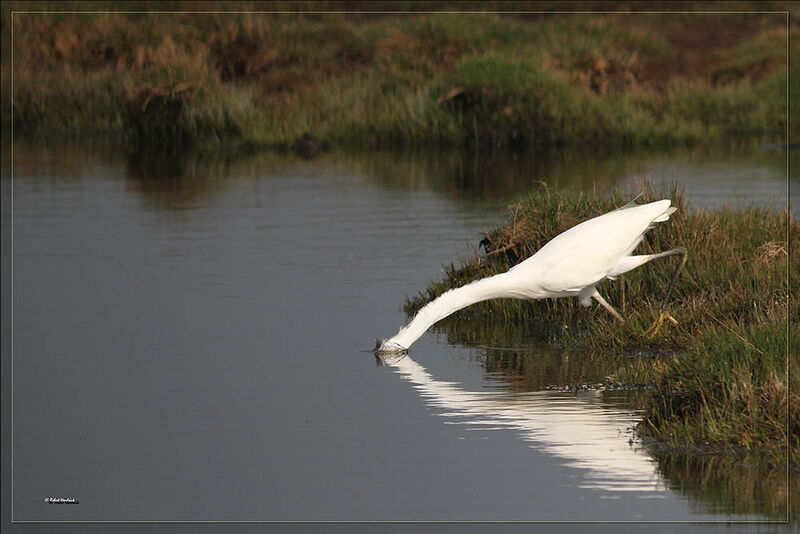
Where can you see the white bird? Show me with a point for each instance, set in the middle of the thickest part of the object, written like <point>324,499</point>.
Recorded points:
<point>569,265</point>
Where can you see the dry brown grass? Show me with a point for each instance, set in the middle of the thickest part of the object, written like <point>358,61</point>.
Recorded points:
<point>380,79</point>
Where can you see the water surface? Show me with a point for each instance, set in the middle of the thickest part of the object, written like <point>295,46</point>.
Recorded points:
<point>188,335</point>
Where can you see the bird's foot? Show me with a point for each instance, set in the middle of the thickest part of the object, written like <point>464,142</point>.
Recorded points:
<point>656,326</point>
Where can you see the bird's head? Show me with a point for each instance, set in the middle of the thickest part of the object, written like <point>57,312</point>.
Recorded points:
<point>387,353</point>
<point>384,346</point>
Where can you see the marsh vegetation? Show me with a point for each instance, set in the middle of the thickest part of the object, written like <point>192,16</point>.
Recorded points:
<point>718,377</point>
<point>306,80</point>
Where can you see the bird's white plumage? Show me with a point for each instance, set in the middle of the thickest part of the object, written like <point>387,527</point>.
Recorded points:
<point>570,264</point>
<point>586,253</point>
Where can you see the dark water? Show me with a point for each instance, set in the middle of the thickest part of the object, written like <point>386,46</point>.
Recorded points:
<point>188,337</point>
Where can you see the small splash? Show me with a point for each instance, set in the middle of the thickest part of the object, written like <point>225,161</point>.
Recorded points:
<point>384,346</point>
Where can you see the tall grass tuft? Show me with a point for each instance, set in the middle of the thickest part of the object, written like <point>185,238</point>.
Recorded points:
<point>728,386</point>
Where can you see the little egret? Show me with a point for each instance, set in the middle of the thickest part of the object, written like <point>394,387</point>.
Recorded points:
<point>569,265</point>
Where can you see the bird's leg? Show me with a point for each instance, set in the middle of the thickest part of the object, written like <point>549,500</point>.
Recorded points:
<point>663,313</point>
<point>684,256</point>
<point>599,298</point>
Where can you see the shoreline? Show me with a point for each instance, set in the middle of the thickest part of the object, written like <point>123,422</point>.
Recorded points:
<point>727,389</point>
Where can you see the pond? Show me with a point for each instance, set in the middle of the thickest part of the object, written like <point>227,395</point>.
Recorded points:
<point>191,335</point>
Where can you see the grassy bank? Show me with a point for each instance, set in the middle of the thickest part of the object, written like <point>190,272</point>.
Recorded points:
<point>305,80</point>
<point>719,377</point>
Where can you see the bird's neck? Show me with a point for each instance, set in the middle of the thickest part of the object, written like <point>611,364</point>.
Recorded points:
<point>451,301</point>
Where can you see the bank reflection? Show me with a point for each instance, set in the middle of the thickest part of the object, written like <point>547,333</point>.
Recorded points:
<point>744,485</point>
<point>580,429</point>
<point>710,176</point>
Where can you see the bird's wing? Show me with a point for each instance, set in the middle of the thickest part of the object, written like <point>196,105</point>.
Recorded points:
<point>587,252</point>
<point>632,203</point>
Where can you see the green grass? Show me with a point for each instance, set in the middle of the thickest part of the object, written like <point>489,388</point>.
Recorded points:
<point>398,80</point>
<point>728,392</point>
<point>719,376</point>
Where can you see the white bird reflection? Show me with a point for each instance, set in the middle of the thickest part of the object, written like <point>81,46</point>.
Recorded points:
<point>580,429</point>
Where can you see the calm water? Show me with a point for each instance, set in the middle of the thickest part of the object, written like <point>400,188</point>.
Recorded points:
<point>189,336</point>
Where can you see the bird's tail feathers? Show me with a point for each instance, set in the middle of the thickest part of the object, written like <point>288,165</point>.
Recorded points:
<point>665,216</point>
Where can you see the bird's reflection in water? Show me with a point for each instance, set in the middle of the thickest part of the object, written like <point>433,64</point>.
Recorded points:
<point>580,429</point>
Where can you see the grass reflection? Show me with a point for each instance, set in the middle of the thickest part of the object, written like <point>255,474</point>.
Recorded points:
<point>513,356</point>
<point>731,485</point>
